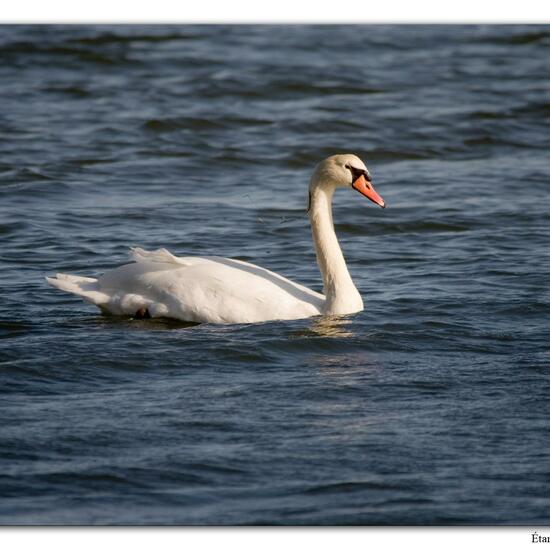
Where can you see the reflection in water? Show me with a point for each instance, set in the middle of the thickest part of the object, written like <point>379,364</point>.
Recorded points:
<point>115,321</point>
<point>333,326</point>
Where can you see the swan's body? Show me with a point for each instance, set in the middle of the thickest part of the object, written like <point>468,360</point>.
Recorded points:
<point>222,290</point>
<point>196,289</point>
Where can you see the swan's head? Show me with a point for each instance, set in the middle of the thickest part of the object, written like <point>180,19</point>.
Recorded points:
<point>345,171</point>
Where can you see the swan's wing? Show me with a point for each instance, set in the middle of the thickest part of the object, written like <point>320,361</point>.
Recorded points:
<point>207,289</point>
<point>234,291</point>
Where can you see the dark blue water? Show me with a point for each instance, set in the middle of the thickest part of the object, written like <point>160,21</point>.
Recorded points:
<point>430,407</point>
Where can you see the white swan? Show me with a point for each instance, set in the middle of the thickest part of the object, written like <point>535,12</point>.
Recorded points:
<point>220,290</point>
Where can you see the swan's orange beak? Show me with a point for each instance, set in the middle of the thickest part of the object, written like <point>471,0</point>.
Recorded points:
<point>365,188</point>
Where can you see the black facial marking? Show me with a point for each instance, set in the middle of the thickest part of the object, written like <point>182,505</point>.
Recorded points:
<point>358,172</point>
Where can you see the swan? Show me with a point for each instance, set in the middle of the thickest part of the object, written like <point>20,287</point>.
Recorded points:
<point>223,291</point>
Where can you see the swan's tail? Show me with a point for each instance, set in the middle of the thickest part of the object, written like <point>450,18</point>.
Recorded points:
<point>86,287</point>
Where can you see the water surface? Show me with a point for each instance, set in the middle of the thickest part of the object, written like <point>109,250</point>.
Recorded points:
<point>430,407</point>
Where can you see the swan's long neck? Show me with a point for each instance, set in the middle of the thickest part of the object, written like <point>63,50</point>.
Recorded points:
<point>340,292</point>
